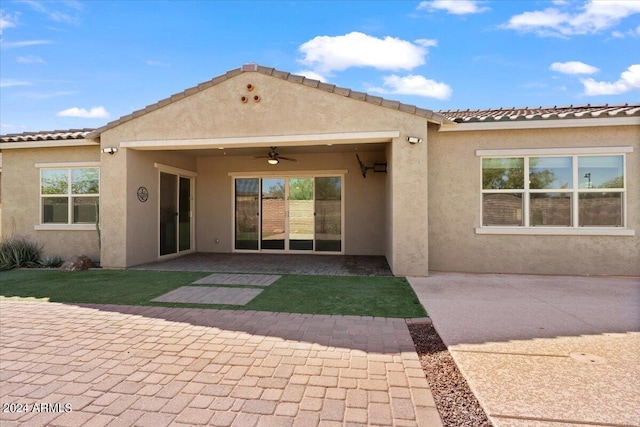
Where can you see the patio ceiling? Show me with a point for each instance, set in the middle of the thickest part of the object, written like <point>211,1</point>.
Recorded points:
<point>245,146</point>
<point>288,150</point>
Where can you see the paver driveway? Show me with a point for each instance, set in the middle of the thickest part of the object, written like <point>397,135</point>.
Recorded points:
<point>156,366</point>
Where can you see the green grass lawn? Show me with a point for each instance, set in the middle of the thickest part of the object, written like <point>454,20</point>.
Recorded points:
<point>346,295</point>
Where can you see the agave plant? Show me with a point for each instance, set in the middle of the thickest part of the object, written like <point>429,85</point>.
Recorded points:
<point>19,252</point>
<point>51,261</point>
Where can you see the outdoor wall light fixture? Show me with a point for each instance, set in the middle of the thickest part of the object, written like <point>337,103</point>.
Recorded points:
<point>273,161</point>
<point>414,140</point>
<point>110,150</point>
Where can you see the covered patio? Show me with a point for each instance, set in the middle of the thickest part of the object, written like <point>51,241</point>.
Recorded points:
<point>331,265</point>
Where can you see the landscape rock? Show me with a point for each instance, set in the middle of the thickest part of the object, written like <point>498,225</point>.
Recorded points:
<point>81,263</point>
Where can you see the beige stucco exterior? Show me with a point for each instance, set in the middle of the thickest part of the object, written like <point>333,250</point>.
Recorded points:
<point>21,201</point>
<point>423,214</point>
<point>455,199</point>
<point>284,109</point>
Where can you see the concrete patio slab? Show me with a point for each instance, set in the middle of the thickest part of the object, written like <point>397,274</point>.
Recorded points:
<point>209,295</point>
<point>331,265</point>
<point>519,341</point>
<point>159,366</point>
<point>238,279</point>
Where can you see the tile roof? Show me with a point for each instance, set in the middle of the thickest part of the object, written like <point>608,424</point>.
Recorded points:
<point>542,113</point>
<point>361,96</point>
<point>55,135</point>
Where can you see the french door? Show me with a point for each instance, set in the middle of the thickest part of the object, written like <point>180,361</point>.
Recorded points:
<point>176,228</point>
<point>288,214</point>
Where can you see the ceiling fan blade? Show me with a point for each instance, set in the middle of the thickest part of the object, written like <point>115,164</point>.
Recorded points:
<point>261,157</point>
<point>287,158</point>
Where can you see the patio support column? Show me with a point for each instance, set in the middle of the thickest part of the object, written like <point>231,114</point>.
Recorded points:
<point>407,210</point>
<point>113,206</point>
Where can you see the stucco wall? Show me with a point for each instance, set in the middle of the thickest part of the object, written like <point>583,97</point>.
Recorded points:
<point>21,200</point>
<point>285,108</point>
<point>454,203</point>
<point>364,198</point>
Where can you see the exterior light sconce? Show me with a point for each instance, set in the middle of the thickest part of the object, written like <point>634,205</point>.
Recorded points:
<point>414,140</point>
<point>110,150</point>
<point>273,161</point>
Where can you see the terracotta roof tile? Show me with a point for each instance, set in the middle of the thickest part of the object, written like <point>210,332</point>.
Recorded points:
<point>542,113</point>
<point>54,135</point>
<point>458,116</point>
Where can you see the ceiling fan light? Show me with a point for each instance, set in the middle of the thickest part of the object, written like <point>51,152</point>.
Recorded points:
<point>273,161</point>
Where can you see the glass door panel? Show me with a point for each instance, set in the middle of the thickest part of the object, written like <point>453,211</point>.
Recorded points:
<point>184,214</point>
<point>328,210</point>
<point>247,204</point>
<point>168,213</point>
<point>301,214</point>
<point>273,214</point>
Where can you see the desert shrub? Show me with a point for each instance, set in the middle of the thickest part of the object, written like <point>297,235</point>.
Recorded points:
<point>19,252</point>
<point>51,261</point>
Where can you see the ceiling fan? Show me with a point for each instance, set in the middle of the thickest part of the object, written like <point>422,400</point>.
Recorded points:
<point>274,158</point>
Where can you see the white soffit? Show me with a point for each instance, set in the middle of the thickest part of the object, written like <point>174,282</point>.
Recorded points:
<point>540,124</point>
<point>264,141</point>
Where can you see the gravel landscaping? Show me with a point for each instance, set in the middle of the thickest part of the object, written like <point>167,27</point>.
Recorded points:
<point>455,402</point>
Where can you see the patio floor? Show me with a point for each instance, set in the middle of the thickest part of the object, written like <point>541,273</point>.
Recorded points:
<point>332,265</point>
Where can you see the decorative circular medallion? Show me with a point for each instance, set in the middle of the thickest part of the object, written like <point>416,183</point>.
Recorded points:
<point>143,194</point>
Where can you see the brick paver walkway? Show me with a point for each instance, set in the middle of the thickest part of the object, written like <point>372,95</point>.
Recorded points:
<point>210,295</point>
<point>158,366</point>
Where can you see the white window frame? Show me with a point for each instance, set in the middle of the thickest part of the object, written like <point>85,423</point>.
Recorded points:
<point>575,228</point>
<point>69,166</point>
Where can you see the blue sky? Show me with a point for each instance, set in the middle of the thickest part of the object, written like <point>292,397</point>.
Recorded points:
<point>75,64</point>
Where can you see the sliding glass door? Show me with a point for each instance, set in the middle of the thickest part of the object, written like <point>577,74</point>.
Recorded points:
<point>273,222</point>
<point>301,224</point>
<point>175,213</point>
<point>328,214</point>
<point>247,216</point>
<point>288,214</point>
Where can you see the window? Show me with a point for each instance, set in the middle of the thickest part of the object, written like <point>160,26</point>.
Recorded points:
<point>571,191</point>
<point>69,195</point>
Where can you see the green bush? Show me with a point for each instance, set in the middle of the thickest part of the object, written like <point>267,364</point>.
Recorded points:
<point>19,252</point>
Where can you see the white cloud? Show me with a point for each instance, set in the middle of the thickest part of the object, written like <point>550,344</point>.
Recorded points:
<point>13,82</point>
<point>94,113</point>
<point>573,67</point>
<point>25,43</point>
<point>30,59</point>
<point>47,95</point>
<point>311,75</point>
<point>7,20</point>
<point>157,63</point>
<point>593,17</point>
<point>454,7</point>
<point>629,80</point>
<point>427,42</point>
<point>324,54</point>
<point>58,15</point>
<point>414,85</point>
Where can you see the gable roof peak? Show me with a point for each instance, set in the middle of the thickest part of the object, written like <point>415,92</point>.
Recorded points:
<point>272,72</point>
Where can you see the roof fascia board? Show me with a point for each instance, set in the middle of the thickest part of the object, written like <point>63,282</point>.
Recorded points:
<point>541,124</point>
<point>47,144</point>
<point>263,141</point>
